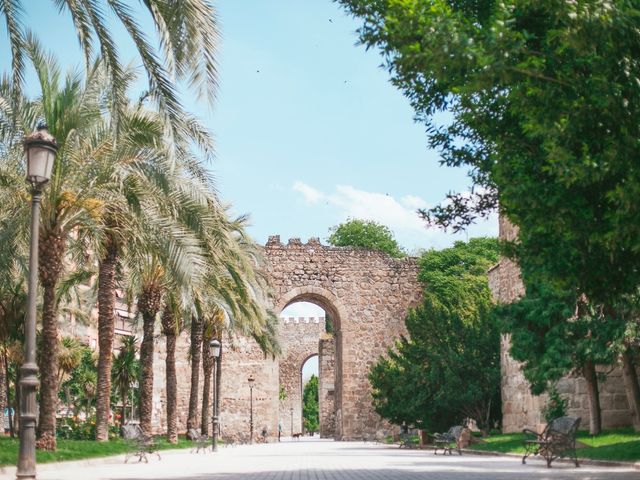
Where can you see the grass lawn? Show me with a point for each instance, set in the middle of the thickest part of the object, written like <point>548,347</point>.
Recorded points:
<point>77,449</point>
<point>619,445</point>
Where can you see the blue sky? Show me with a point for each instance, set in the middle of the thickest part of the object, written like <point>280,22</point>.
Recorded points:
<point>309,131</point>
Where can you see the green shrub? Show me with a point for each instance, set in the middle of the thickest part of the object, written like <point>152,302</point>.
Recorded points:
<point>556,406</point>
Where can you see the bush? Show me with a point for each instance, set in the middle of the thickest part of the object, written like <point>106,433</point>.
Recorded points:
<point>556,406</point>
<point>73,428</point>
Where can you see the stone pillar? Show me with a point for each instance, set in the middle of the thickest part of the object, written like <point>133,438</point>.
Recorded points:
<point>326,387</point>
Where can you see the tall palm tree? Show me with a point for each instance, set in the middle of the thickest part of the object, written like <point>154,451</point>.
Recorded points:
<point>171,327</point>
<point>125,371</point>
<point>186,33</point>
<point>149,305</point>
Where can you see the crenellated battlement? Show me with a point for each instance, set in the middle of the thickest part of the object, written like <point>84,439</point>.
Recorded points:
<point>299,320</point>
<point>274,241</point>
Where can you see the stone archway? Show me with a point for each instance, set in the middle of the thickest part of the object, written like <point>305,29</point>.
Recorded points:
<point>366,293</point>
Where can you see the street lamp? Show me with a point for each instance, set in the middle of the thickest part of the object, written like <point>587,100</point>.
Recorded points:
<point>40,151</point>
<point>215,351</point>
<point>251,380</point>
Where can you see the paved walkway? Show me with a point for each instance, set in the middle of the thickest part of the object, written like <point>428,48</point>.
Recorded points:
<point>327,460</point>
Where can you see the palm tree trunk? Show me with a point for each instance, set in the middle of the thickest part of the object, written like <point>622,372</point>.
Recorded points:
<point>3,394</point>
<point>595,415</point>
<point>218,398</point>
<point>207,369</point>
<point>196,344</point>
<point>48,373</point>
<point>106,325</point>
<point>631,386</point>
<point>7,386</point>
<point>51,251</point>
<point>169,330</point>
<point>148,304</point>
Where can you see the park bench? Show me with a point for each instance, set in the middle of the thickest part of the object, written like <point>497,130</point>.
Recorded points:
<point>406,440</point>
<point>140,445</point>
<point>448,441</point>
<point>201,440</point>
<point>557,440</point>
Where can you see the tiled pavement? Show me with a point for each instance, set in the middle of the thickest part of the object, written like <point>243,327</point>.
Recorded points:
<point>326,460</point>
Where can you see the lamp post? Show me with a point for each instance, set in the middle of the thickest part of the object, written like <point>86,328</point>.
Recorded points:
<point>40,150</point>
<point>251,380</point>
<point>215,351</point>
<point>291,410</point>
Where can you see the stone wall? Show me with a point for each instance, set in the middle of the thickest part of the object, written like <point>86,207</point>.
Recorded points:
<point>326,386</point>
<point>241,358</point>
<point>299,339</point>
<point>521,409</point>
<point>183,374</point>
<point>366,293</point>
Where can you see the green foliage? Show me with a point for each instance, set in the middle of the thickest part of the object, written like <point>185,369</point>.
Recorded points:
<point>80,388</point>
<point>556,406</point>
<point>365,234</point>
<point>551,338</point>
<point>310,411</point>
<point>542,100</point>
<point>74,428</point>
<point>448,368</point>
<point>328,323</point>
<point>282,394</point>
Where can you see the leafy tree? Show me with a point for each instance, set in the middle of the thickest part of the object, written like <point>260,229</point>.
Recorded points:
<point>448,366</point>
<point>542,100</point>
<point>186,32</point>
<point>365,234</point>
<point>310,411</point>
<point>125,371</point>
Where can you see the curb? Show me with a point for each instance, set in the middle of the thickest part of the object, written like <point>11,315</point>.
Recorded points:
<point>583,461</point>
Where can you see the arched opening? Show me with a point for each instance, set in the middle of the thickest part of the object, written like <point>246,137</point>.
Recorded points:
<point>305,327</point>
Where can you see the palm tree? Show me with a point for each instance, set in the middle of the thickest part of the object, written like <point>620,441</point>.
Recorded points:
<point>195,356</point>
<point>69,357</point>
<point>149,304</point>
<point>125,371</point>
<point>187,36</point>
<point>171,327</point>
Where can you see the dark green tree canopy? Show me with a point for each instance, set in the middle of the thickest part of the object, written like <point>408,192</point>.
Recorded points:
<point>448,367</point>
<point>542,100</point>
<point>310,407</point>
<point>365,234</point>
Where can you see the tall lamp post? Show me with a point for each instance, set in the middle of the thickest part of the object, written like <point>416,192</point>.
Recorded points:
<point>291,410</point>
<point>215,351</point>
<point>251,380</point>
<point>40,150</point>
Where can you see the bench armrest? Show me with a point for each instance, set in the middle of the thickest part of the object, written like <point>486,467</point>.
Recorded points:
<point>530,434</point>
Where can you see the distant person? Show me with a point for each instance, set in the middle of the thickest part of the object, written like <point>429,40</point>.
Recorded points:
<point>279,429</point>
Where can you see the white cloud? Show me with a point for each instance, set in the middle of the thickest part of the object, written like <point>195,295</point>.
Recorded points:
<point>310,194</point>
<point>399,215</point>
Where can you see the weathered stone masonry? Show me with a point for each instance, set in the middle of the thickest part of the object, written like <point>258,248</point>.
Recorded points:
<point>366,294</point>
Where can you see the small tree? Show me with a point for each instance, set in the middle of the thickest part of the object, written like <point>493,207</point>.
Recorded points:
<point>310,411</point>
<point>365,234</point>
<point>448,367</point>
